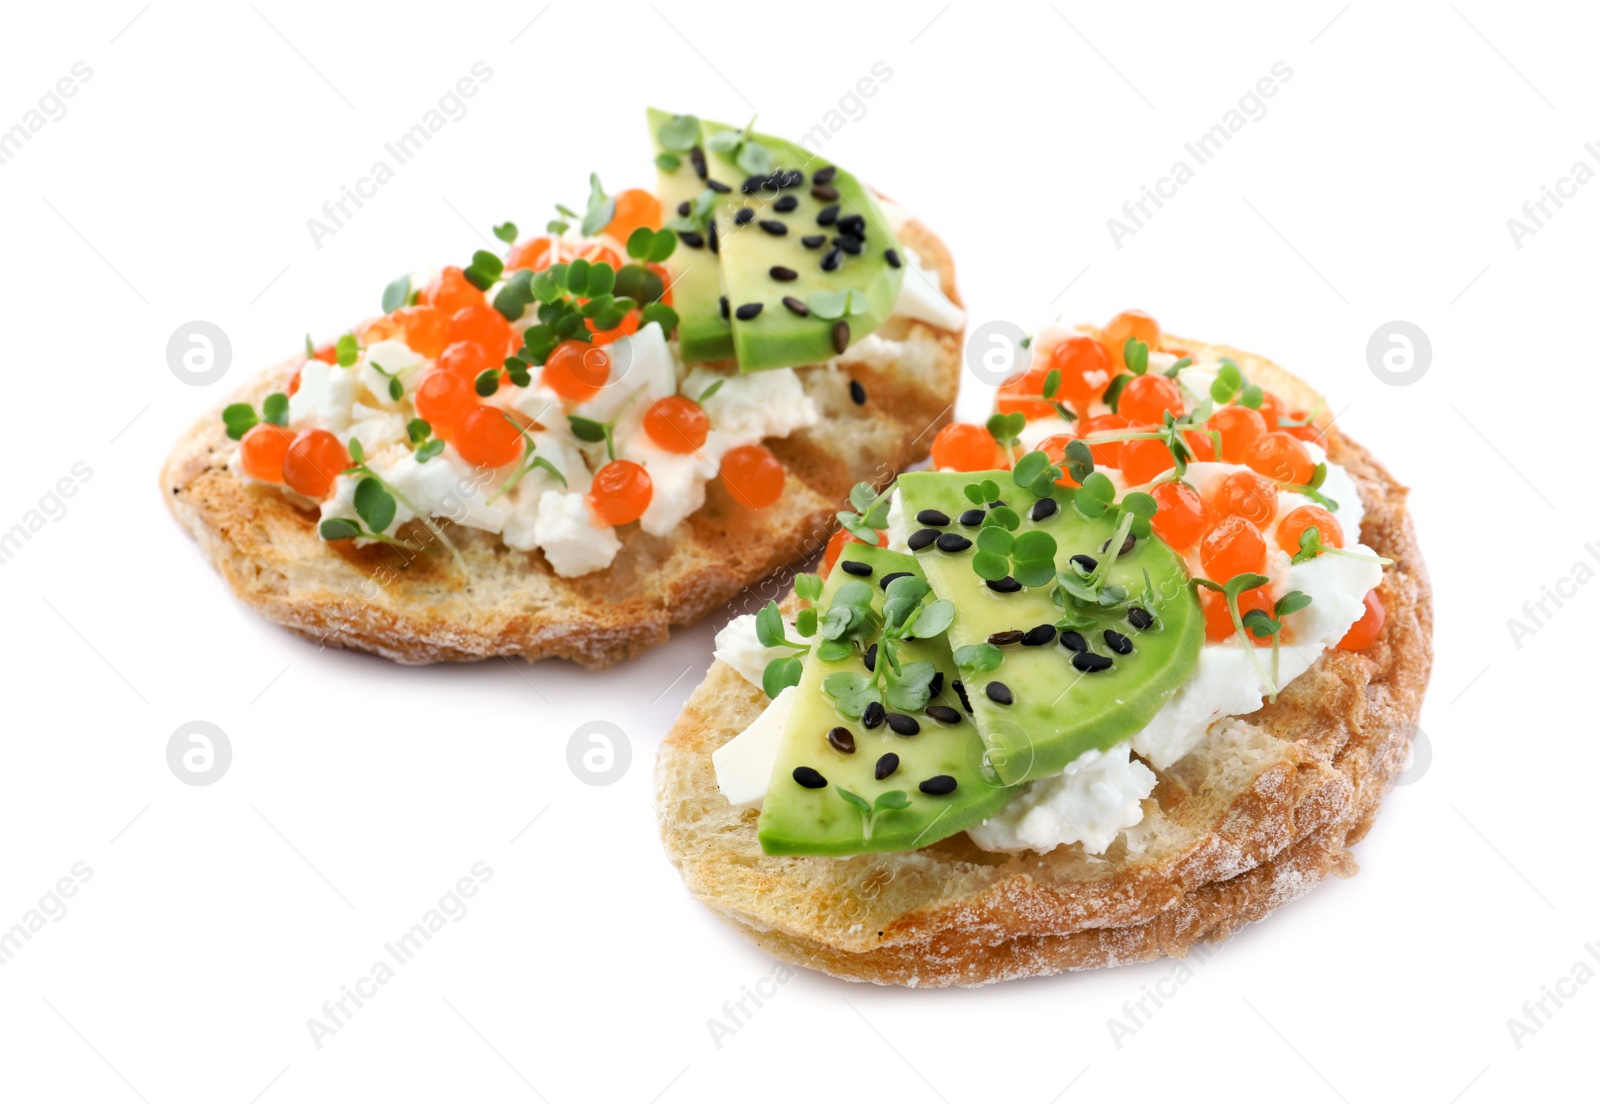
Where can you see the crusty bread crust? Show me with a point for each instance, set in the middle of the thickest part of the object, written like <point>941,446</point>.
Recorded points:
<point>1257,815</point>
<point>419,609</point>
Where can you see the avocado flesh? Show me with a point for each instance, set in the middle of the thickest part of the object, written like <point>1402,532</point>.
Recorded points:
<point>778,336</point>
<point>1058,712</point>
<point>800,821</point>
<point>693,275</point>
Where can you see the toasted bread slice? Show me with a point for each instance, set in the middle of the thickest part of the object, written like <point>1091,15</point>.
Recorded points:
<point>423,609</point>
<point>1264,808</point>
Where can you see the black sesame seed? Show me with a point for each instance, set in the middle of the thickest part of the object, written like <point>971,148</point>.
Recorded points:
<point>972,517</point>
<point>998,692</point>
<point>782,273</point>
<point>809,777</point>
<point>997,504</point>
<point>1043,509</point>
<point>922,538</point>
<point>830,260</point>
<point>1084,562</point>
<point>858,392</point>
<point>824,175</point>
<point>1073,640</point>
<point>938,785</point>
<point>713,240</point>
<point>790,179</point>
<point>1006,638</point>
<point>870,659</point>
<point>773,226</point>
<point>683,209</point>
<point>825,192</point>
<point>697,158</point>
<point>1118,642</point>
<point>842,741</point>
<point>848,243</point>
<point>828,216</point>
<point>754,184</point>
<point>741,217</point>
<point>854,225</point>
<point>840,336</point>
<point>944,714</point>
<point>933,518</point>
<point>886,766</point>
<point>786,204</point>
<point>723,304</point>
<point>961,691</point>
<point>797,306</point>
<point>1127,545</point>
<point>952,544</point>
<point>811,242</point>
<point>1140,618</point>
<point>692,239</point>
<point>883,582</point>
<point>936,683</point>
<point>1039,636</point>
<point>892,256</point>
<point>901,724</point>
<point>1007,584</point>
<point>1090,663</point>
<point>872,717</point>
<point>859,569</point>
<point>717,186</point>
<point>748,311</point>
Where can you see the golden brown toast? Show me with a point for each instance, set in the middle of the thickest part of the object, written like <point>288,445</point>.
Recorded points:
<point>1259,813</point>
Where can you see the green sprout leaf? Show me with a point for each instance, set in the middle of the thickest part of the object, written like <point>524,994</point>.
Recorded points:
<point>418,430</point>
<point>506,232</point>
<point>978,657</point>
<point>601,209</point>
<point>337,527</point>
<point>396,293</point>
<point>680,133</point>
<point>780,674</point>
<point>238,419</point>
<point>431,449</point>
<point>668,161</point>
<point>374,504</point>
<point>275,409</point>
<point>346,350</point>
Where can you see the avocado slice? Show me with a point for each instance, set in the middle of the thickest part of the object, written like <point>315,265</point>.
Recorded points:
<point>853,250</point>
<point>1060,705</point>
<point>694,277</point>
<point>815,818</point>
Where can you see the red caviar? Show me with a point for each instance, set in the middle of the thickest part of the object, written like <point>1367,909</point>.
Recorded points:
<point>1233,547</point>
<point>1248,495</point>
<point>465,359</point>
<point>1085,370</point>
<point>442,398</point>
<point>312,461</point>
<point>1239,427</point>
<point>478,323</point>
<point>1365,631</point>
<point>1309,516</point>
<point>487,438</point>
<point>262,449</point>
<point>1282,457</point>
<point>1148,398</point>
<point>451,291</point>
<point>1055,449</point>
<point>636,208</point>
<point>1142,460</point>
<point>1105,454</point>
<point>966,447</point>
<point>576,370</point>
<point>1219,623</point>
<point>621,492</point>
<point>1132,324</point>
<point>1180,517</point>
<point>753,476</point>
<point>677,424</point>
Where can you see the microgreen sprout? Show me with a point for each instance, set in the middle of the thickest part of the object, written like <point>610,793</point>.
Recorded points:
<point>1311,545</point>
<point>743,150</point>
<point>347,350</point>
<point>889,801</point>
<point>601,209</point>
<point>1312,490</point>
<point>1261,625</point>
<point>780,673</point>
<point>711,390</point>
<point>397,293</point>
<point>530,461</point>
<point>393,386</point>
<point>1236,585</point>
<point>240,418</point>
<point>1006,427</point>
<point>1052,384</point>
<point>1231,387</point>
<point>871,509</point>
<point>374,500</point>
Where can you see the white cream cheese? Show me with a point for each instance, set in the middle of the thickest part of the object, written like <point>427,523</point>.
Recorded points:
<point>744,764</point>
<point>1098,795</point>
<point>573,541</point>
<point>738,645</point>
<point>921,295</point>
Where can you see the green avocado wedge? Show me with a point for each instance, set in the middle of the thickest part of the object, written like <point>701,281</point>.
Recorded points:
<point>794,230</point>
<point>1050,675</point>
<point>874,788</point>
<point>694,276</point>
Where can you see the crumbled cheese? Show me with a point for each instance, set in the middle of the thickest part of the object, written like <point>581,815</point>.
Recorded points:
<point>1099,794</point>
<point>572,540</point>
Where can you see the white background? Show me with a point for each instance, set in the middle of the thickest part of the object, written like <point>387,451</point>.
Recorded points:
<point>220,919</point>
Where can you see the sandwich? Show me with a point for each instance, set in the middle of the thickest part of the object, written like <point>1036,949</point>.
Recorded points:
<point>570,444</point>
<point>1132,665</point>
